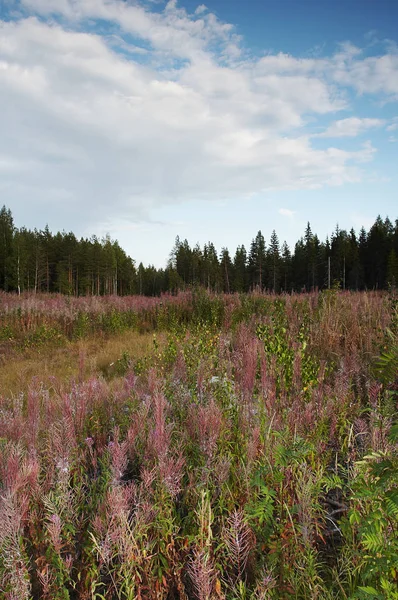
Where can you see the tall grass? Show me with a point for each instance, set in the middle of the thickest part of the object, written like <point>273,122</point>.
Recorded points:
<point>251,454</point>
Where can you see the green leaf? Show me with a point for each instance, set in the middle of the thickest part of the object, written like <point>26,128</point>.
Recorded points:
<point>370,591</point>
<point>393,435</point>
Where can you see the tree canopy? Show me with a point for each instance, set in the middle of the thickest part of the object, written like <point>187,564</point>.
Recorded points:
<point>41,261</point>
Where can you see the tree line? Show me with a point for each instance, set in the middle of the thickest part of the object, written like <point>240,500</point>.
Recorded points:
<point>40,261</point>
<point>346,260</point>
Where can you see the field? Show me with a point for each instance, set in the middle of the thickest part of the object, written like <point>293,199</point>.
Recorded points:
<point>199,446</point>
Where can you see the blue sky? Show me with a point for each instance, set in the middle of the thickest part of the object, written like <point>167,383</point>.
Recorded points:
<point>209,121</point>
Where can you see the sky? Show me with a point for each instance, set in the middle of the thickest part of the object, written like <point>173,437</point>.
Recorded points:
<point>147,119</point>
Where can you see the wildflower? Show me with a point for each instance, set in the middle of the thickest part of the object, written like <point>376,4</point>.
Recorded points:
<point>63,465</point>
<point>202,573</point>
<point>240,540</point>
<point>54,528</point>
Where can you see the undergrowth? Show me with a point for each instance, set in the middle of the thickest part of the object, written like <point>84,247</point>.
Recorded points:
<point>252,454</point>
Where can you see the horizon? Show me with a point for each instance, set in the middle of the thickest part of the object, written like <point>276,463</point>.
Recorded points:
<point>149,120</point>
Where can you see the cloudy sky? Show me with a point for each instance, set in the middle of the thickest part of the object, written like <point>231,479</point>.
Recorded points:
<point>148,119</point>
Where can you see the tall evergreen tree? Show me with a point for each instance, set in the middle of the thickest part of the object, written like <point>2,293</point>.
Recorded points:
<point>286,268</point>
<point>197,265</point>
<point>363,257</point>
<point>353,264</point>
<point>240,270</point>
<point>211,267</point>
<point>392,269</point>
<point>379,243</point>
<point>6,247</point>
<point>312,254</point>
<point>257,262</point>
<point>339,252</point>
<point>274,263</point>
<point>226,271</point>
<point>300,266</point>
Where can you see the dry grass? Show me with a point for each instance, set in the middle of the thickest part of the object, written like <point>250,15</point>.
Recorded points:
<point>73,361</point>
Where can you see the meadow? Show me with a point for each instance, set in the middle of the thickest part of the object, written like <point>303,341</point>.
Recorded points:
<point>199,446</point>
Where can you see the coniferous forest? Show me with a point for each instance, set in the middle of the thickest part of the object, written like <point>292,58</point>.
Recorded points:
<point>42,261</point>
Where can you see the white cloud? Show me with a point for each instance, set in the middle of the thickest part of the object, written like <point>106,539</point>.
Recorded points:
<point>285,212</point>
<point>372,75</point>
<point>347,68</point>
<point>201,9</point>
<point>360,220</point>
<point>394,125</point>
<point>165,108</point>
<point>173,30</point>
<point>350,127</point>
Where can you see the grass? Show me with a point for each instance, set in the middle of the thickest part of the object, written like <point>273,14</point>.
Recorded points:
<point>199,446</point>
<point>76,360</point>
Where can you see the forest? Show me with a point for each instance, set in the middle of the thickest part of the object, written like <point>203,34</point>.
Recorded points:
<point>42,261</point>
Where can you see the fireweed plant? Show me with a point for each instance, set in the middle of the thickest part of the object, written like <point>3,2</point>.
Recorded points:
<point>252,454</point>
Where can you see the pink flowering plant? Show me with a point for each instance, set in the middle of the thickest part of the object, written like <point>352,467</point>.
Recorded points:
<point>250,452</point>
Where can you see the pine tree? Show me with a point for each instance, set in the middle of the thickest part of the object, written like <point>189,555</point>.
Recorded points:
<point>392,269</point>
<point>339,252</point>
<point>353,264</point>
<point>212,267</point>
<point>300,266</point>
<point>6,247</point>
<point>226,271</point>
<point>20,261</point>
<point>379,243</point>
<point>274,263</point>
<point>240,270</point>
<point>196,265</point>
<point>363,256</point>
<point>286,268</point>
<point>311,252</point>
<point>257,262</point>
<point>183,262</point>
